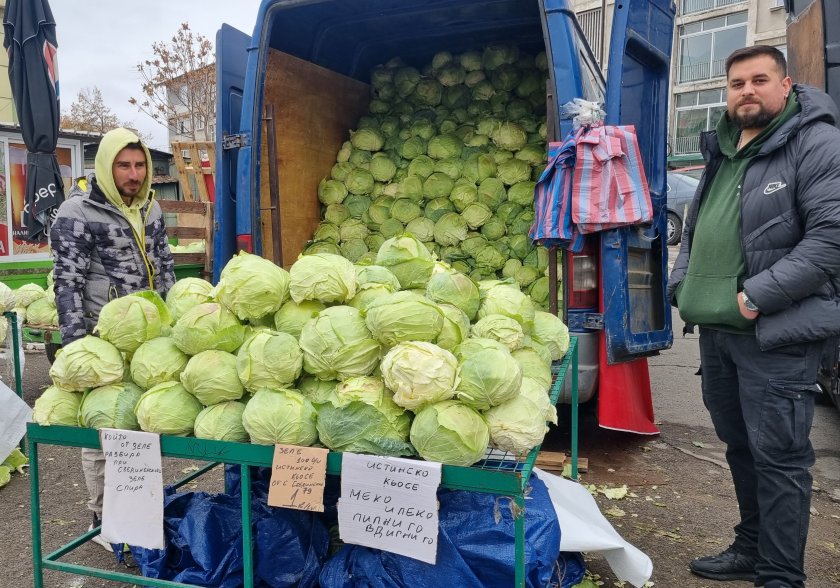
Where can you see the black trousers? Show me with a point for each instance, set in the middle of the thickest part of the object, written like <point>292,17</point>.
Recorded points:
<point>762,407</point>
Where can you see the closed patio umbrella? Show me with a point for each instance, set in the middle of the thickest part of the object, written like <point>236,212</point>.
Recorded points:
<point>31,44</point>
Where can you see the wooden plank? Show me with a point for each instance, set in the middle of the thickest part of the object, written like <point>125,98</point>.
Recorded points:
<point>208,241</point>
<point>315,109</point>
<point>189,258</point>
<point>198,232</point>
<point>183,207</point>
<point>806,47</point>
<point>555,461</point>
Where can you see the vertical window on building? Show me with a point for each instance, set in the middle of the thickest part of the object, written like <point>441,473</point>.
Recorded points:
<point>696,112</point>
<point>705,45</point>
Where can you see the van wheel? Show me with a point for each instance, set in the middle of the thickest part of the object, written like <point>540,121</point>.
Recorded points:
<point>674,228</point>
<point>51,349</point>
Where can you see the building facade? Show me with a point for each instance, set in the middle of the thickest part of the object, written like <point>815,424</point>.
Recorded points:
<point>705,33</point>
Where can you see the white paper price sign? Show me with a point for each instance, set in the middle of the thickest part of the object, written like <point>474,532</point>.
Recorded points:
<point>132,509</point>
<point>390,503</point>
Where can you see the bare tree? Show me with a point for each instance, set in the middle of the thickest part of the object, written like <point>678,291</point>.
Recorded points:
<point>179,85</point>
<point>90,113</point>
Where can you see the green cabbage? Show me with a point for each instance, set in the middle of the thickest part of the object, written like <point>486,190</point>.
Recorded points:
<point>516,426</point>
<point>56,406</point>
<point>292,316</point>
<point>129,321</point>
<point>156,361</point>
<point>501,328</point>
<point>408,259</point>
<point>551,332</point>
<point>89,362</point>
<point>450,229</point>
<point>450,432</point>
<point>27,294</point>
<point>539,395</point>
<point>367,139</point>
<point>186,293</point>
<point>455,329</point>
<point>211,376</point>
<point>322,277</point>
<point>269,360</point>
<point>331,191</point>
<point>222,422</point>
<point>488,378</point>
<point>167,409</point>
<point>110,407</point>
<point>208,326</point>
<point>316,390</point>
<point>42,312</point>
<point>338,344</point>
<point>403,316</point>
<point>419,374</point>
<point>508,300</point>
<point>361,416</point>
<point>280,416</point>
<point>252,287</point>
<point>456,289</point>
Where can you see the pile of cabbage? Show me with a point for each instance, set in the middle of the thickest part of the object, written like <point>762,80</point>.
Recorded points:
<point>450,154</point>
<point>31,302</point>
<point>402,357</point>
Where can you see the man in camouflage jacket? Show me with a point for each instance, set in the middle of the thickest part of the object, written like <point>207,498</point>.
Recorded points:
<point>108,243</point>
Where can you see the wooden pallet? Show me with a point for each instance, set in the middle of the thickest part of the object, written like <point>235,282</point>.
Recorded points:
<point>191,172</point>
<point>201,227</point>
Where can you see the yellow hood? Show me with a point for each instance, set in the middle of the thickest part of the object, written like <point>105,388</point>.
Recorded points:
<point>112,143</point>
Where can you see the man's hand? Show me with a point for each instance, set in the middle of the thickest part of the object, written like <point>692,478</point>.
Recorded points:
<point>747,314</point>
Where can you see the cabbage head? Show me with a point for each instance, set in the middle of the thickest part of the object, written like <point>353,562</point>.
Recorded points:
<point>456,289</point>
<point>367,294</point>
<point>7,297</point>
<point>222,422</point>
<point>515,171</point>
<point>156,361</point>
<point>437,207</point>
<point>129,321</point>
<point>404,316</point>
<point>185,294</point>
<point>269,360</point>
<point>445,146</point>
<point>488,378</point>
<point>533,366</point>
<point>359,181</point>
<point>422,228</point>
<point>42,312</point>
<point>211,376</point>
<point>27,294</point>
<point>292,316</point>
<point>110,407</point>
<point>87,363</point>
<point>382,168</point>
<point>516,426</point>
<point>337,344</point>
<point>551,332</point>
<point>367,139</point>
<point>208,326</point>
<point>510,136</point>
<point>438,185</point>
<point>252,287</point>
<point>455,329</point>
<point>502,328</point>
<point>476,214</point>
<point>450,432</point>
<point>536,393</point>
<point>408,259</point>
<point>473,344</point>
<point>167,409</point>
<point>317,391</point>
<point>56,406</point>
<point>420,373</point>
<point>361,416</point>
<point>331,191</point>
<point>508,300</point>
<point>322,277</point>
<point>280,416</point>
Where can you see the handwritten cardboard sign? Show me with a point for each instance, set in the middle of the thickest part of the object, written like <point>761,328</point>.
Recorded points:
<point>298,475</point>
<point>132,508</point>
<point>390,503</point>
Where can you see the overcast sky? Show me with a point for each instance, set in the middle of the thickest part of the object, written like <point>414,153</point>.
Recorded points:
<point>100,43</point>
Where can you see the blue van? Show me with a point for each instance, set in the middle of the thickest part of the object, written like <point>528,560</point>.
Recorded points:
<point>288,94</point>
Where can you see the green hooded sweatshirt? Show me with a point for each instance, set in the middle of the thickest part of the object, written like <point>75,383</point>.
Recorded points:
<point>716,270</point>
<point>112,143</point>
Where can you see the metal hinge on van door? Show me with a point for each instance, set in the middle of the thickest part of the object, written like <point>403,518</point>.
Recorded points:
<point>587,320</point>
<point>234,141</point>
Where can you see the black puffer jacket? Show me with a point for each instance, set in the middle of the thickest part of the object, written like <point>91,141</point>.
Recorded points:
<point>790,225</point>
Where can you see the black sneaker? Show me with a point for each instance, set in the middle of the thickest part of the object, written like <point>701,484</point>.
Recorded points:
<point>727,565</point>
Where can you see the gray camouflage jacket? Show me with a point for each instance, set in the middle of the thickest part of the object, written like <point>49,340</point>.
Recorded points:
<point>96,259</point>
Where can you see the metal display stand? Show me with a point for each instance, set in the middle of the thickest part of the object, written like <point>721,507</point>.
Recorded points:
<point>500,474</point>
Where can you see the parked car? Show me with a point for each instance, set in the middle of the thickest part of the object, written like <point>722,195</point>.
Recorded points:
<point>681,190</point>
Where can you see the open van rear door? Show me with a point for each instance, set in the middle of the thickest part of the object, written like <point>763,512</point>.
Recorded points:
<point>231,59</point>
<point>634,260</point>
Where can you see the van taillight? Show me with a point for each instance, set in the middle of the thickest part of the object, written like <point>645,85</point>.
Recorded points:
<point>583,278</point>
<point>245,243</point>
